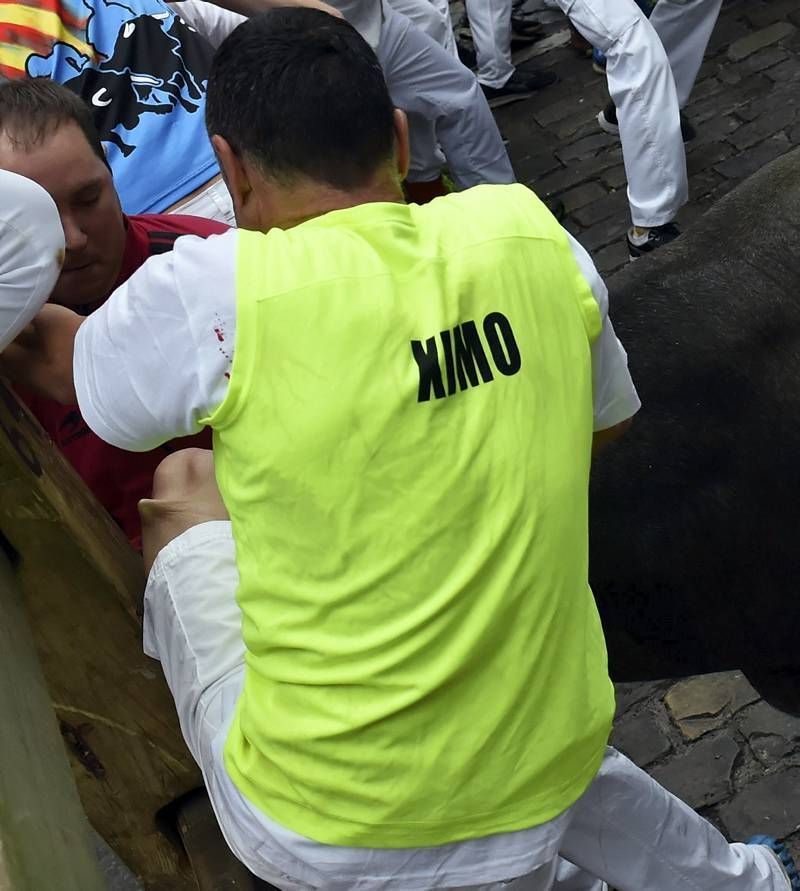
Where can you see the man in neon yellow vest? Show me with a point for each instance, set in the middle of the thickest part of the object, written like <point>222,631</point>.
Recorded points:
<point>388,661</point>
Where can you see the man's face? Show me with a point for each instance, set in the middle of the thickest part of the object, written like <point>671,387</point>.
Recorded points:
<point>80,184</point>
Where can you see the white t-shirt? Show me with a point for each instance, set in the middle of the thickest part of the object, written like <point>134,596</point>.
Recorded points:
<point>175,320</point>
<point>31,252</point>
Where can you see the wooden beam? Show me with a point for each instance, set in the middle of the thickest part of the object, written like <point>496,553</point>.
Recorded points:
<point>44,836</point>
<point>82,585</point>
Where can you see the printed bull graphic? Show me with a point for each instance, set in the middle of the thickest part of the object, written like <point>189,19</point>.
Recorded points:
<point>143,72</point>
<point>151,69</point>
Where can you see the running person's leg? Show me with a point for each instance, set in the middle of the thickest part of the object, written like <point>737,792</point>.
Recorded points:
<point>424,79</point>
<point>490,23</point>
<point>639,837</point>
<point>685,27</point>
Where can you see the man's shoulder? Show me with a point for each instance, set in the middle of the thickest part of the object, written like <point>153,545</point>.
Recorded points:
<point>161,229</point>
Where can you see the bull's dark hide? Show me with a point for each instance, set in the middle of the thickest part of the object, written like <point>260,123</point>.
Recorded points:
<point>695,515</point>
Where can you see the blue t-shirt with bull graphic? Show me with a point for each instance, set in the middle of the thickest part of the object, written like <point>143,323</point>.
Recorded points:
<point>144,73</point>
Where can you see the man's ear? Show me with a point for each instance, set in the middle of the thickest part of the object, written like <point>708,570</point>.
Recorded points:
<point>234,173</point>
<point>402,151</point>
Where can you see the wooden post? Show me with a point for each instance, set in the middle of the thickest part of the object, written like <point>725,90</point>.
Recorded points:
<point>44,836</point>
<point>82,587</point>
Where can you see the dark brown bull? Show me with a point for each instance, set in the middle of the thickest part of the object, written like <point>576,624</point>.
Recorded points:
<point>695,558</point>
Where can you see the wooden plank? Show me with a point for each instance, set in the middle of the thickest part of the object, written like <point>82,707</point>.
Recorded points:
<point>82,585</point>
<point>44,836</point>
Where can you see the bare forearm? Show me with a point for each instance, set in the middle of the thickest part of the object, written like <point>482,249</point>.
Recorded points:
<point>40,359</point>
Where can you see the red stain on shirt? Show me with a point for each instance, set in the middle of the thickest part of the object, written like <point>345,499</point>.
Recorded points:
<point>220,335</point>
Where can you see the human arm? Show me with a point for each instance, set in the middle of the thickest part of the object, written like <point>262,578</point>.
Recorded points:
<point>155,358</point>
<point>614,394</point>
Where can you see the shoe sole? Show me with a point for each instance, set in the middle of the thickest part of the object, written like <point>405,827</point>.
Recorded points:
<point>606,126</point>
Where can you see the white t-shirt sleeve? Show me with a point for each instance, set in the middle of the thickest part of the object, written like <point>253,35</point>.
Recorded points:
<point>156,357</point>
<point>615,396</point>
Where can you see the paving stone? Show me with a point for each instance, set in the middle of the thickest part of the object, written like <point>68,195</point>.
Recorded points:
<point>725,32</point>
<point>753,159</point>
<point>585,148</point>
<point>731,98</point>
<point>701,185</point>
<point>579,172</point>
<point>580,196</point>
<point>611,258</point>
<point>757,40</point>
<point>615,178</point>
<point>761,15</point>
<point>534,167</point>
<point>764,126</point>
<point>701,704</point>
<point>611,204</point>
<point>788,70</point>
<point>768,806</point>
<point>558,101</point>
<point>766,58</point>
<point>630,694</point>
<point>603,233</point>
<point>639,736</point>
<point>701,776</point>
<point>772,734</point>
<point>779,97</point>
<point>707,155</point>
<point>794,135</point>
<point>707,87</point>
<point>713,130</point>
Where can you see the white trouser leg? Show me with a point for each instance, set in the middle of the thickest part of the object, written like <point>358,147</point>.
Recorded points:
<point>423,79</point>
<point>642,87</point>
<point>685,27</point>
<point>639,837</point>
<point>431,17</point>
<point>572,878</point>
<point>490,23</point>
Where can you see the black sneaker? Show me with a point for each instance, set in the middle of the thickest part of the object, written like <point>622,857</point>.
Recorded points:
<point>607,119</point>
<point>655,238</point>
<point>519,86</point>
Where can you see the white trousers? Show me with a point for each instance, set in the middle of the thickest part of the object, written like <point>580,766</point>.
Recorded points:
<point>642,87</point>
<point>212,203</point>
<point>490,23</point>
<point>685,27</point>
<point>625,830</point>
<point>428,83</point>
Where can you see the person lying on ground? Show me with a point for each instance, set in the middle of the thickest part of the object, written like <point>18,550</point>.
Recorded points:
<point>379,632</point>
<point>47,135</point>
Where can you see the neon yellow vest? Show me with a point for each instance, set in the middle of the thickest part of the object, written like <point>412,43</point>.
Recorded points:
<point>404,450</point>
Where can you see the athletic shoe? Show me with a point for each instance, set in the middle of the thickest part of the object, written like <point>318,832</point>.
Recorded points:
<point>639,245</point>
<point>783,856</point>
<point>519,86</point>
<point>598,61</point>
<point>467,54</point>
<point>607,119</point>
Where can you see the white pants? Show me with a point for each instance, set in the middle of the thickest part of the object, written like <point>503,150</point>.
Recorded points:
<point>429,83</point>
<point>685,27</point>
<point>213,203</point>
<point>642,87</point>
<point>490,23</point>
<point>626,829</point>
<point>432,17</point>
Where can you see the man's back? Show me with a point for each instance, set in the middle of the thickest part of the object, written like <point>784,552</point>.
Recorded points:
<point>404,452</point>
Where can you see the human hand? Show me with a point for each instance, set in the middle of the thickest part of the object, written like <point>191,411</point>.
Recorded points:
<point>40,359</point>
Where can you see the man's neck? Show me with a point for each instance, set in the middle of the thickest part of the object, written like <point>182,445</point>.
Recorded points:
<point>309,200</point>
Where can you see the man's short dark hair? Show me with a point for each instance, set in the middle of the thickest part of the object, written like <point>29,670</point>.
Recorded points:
<point>32,108</point>
<point>300,94</point>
